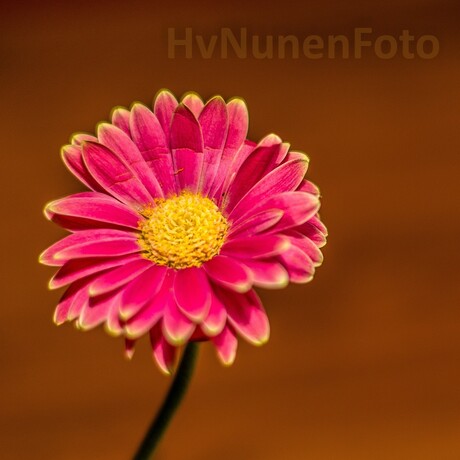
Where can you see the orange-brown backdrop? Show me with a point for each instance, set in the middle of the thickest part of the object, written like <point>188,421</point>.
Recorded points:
<point>363,363</point>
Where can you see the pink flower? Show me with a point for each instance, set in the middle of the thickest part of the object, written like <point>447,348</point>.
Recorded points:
<point>184,217</point>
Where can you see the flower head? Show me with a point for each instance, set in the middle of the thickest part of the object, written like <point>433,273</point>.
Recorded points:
<point>184,217</point>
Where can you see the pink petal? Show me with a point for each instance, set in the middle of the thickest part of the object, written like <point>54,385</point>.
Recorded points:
<point>236,135</point>
<point>284,178</point>
<point>114,326</point>
<point>121,144</point>
<point>90,243</point>
<point>194,102</point>
<point>220,195</point>
<point>257,165</point>
<point>163,353</point>
<point>198,335</point>
<point>185,130</point>
<point>164,106</point>
<point>226,345</point>
<point>309,187</point>
<point>91,210</point>
<point>187,148</point>
<point>214,125</point>
<point>282,153</point>
<point>141,290</point>
<point>80,297</point>
<point>79,138</point>
<point>306,245</point>
<point>95,311</point>
<point>120,119</point>
<point>268,275</point>
<point>256,246</point>
<point>298,265</point>
<point>79,301</point>
<point>312,231</point>
<point>77,269</point>
<point>150,138</point>
<point>115,176</point>
<point>188,169</point>
<point>315,235</point>
<point>62,308</point>
<point>52,255</point>
<point>297,156</point>
<point>229,273</point>
<point>152,311</point>
<point>147,132</point>
<point>315,220</point>
<point>177,328</point>
<point>61,312</point>
<point>247,315</point>
<point>216,319</point>
<point>141,323</point>
<point>192,293</point>
<point>256,223</point>
<point>118,277</point>
<point>129,348</point>
<point>163,168</point>
<point>238,124</point>
<point>297,207</point>
<point>72,157</point>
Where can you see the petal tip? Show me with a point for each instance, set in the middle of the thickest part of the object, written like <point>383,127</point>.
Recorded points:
<point>128,354</point>
<point>210,331</point>
<point>164,370</point>
<point>124,313</point>
<point>93,291</point>
<point>284,245</point>
<point>163,93</point>
<point>261,340</point>
<point>111,331</point>
<point>283,282</point>
<point>52,284</point>
<point>280,283</point>
<point>118,109</point>
<point>242,288</point>
<point>42,258</point>
<point>237,100</point>
<point>303,280</point>
<point>272,139</point>
<point>58,321</point>
<point>64,151</point>
<point>101,128</point>
<point>48,210</point>
<point>175,340</point>
<point>130,333</point>
<point>189,94</point>
<point>137,105</point>
<point>227,362</point>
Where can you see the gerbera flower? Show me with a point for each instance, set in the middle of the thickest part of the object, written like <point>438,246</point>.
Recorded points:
<point>184,218</point>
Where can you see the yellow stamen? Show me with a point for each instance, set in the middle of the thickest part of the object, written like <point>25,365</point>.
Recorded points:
<point>182,231</point>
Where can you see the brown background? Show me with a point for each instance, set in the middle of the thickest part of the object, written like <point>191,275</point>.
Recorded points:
<point>363,362</point>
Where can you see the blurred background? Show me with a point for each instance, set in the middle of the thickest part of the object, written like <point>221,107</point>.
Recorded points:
<point>364,362</point>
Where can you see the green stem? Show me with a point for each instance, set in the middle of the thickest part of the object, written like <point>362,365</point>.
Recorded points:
<point>170,404</point>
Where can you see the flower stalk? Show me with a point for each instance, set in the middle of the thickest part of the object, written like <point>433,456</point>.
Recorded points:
<point>171,403</point>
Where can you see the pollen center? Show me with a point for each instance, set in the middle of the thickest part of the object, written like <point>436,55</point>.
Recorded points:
<point>182,231</point>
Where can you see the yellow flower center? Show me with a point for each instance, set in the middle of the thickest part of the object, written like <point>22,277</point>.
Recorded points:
<point>182,231</point>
